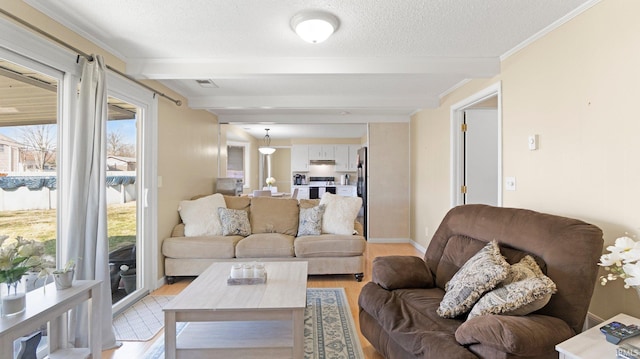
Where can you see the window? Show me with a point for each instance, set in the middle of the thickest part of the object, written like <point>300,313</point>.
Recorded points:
<point>28,153</point>
<point>238,161</point>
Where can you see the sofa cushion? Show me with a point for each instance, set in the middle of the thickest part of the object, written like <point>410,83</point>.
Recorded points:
<point>201,217</point>
<point>265,245</point>
<point>308,203</point>
<point>235,222</point>
<point>221,247</point>
<point>525,290</point>
<point>237,202</point>
<point>329,245</point>
<point>274,215</point>
<point>479,274</point>
<point>310,222</point>
<point>409,318</point>
<point>340,213</point>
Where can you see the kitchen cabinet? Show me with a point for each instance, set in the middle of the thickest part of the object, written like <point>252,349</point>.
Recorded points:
<point>321,152</point>
<point>303,192</point>
<point>353,158</point>
<point>347,191</point>
<point>342,158</point>
<point>300,158</point>
<point>346,158</point>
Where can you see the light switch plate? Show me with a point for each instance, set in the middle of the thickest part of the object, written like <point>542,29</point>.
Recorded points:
<point>533,142</point>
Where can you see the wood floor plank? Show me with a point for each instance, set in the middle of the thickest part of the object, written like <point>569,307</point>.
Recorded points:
<point>351,286</point>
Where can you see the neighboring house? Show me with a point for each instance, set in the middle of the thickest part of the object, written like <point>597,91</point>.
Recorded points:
<point>10,155</point>
<point>119,163</point>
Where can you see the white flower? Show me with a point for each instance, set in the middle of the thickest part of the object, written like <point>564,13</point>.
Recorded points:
<point>622,261</point>
<point>124,267</point>
<point>622,244</point>
<point>608,260</point>
<point>270,181</point>
<point>633,274</point>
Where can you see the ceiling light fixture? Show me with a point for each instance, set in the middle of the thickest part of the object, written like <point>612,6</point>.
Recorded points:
<point>314,26</point>
<point>267,149</point>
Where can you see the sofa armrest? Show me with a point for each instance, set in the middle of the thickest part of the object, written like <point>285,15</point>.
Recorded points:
<point>529,335</point>
<point>178,230</point>
<point>396,272</point>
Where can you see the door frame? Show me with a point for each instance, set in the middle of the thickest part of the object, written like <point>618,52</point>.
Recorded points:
<point>457,140</point>
<point>146,184</point>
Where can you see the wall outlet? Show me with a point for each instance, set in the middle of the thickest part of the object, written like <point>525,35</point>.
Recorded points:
<point>510,183</point>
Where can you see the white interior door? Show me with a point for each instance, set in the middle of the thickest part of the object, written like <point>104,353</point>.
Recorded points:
<point>481,156</point>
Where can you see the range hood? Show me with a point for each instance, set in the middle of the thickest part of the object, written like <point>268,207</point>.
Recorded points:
<point>322,162</point>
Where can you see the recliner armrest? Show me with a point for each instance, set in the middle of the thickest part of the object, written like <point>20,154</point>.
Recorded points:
<point>398,272</point>
<point>525,335</point>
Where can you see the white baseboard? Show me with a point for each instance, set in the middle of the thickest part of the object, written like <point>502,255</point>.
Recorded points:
<point>388,240</point>
<point>162,281</point>
<point>415,244</point>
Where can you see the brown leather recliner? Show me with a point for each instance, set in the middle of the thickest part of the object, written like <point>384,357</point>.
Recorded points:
<point>398,307</point>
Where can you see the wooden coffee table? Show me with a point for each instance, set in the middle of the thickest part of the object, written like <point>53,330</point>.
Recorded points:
<point>239,321</point>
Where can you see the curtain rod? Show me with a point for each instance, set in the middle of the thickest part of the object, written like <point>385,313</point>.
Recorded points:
<point>85,55</point>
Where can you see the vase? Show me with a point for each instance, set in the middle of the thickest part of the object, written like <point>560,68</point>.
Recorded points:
<point>13,297</point>
<point>63,280</point>
<point>129,281</point>
<point>33,281</point>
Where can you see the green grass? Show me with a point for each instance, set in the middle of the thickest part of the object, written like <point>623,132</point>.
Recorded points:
<point>41,225</point>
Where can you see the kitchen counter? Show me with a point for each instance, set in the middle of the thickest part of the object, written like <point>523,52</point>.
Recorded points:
<point>322,185</point>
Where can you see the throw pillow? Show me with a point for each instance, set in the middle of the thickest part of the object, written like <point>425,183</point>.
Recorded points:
<point>235,222</point>
<point>525,290</point>
<point>340,213</point>
<point>200,216</point>
<point>311,221</point>
<point>479,274</point>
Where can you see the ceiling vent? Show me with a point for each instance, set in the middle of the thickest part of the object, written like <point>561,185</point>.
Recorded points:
<point>207,84</point>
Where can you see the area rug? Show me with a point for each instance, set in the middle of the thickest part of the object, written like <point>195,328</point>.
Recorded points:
<point>143,320</point>
<point>329,330</point>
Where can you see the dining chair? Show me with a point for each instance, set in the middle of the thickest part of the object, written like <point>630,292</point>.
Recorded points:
<point>258,193</point>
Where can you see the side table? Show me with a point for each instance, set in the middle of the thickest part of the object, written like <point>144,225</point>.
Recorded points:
<point>51,308</point>
<point>592,343</point>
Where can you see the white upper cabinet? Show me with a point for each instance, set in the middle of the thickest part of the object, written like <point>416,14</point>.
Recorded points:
<point>321,152</point>
<point>353,158</point>
<point>342,158</point>
<point>346,158</point>
<point>300,158</point>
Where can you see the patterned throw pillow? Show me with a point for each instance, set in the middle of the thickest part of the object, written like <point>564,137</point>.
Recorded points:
<point>311,221</point>
<point>235,222</point>
<point>525,290</point>
<point>479,274</point>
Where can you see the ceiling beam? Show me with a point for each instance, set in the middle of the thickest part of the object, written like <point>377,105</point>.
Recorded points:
<point>312,102</point>
<point>159,69</point>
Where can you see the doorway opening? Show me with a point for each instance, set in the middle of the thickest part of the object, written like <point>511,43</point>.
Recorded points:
<point>465,169</point>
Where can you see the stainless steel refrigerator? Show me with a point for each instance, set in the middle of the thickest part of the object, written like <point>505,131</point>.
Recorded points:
<point>362,187</point>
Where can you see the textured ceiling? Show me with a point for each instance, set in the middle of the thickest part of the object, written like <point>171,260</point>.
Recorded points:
<point>387,59</point>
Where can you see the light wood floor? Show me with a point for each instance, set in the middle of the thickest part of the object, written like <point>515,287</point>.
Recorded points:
<point>352,288</point>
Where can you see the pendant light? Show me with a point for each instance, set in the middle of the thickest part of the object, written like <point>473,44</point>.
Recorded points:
<point>267,149</point>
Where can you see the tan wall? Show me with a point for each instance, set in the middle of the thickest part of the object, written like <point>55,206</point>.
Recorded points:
<point>576,88</point>
<point>187,139</point>
<point>389,190</point>
<point>281,169</point>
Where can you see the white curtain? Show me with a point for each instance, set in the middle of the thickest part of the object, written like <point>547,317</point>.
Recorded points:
<point>85,223</point>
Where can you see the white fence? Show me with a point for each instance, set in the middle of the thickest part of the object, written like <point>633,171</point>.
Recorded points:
<point>41,193</point>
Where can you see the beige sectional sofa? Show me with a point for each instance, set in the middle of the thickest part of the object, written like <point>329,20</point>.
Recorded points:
<point>274,237</point>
